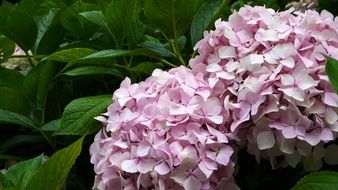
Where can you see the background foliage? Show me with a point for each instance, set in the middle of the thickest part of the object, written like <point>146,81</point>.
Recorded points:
<point>80,51</point>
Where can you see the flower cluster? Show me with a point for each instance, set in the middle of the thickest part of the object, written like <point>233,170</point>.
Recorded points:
<point>21,64</point>
<point>258,82</point>
<point>272,65</point>
<point>164,133</point>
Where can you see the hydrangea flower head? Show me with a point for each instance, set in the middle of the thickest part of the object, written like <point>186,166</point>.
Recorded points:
<point>272,65</point>
<point>164,133</point>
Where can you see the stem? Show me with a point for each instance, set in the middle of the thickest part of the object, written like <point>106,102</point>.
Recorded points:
<point>48,140</point>
<point>29,59</point>
<point>175,48</point>
<point>18,56</point>
<point>168,63</point>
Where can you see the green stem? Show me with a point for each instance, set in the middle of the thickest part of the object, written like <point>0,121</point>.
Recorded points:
<point>49,141</point>
<point>168,63</point>
<point>174,46</point>
<point>29,59</point>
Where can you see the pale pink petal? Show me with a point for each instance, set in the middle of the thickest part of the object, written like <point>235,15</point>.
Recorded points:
<point>129,165</point>
<point>206,171</point>
<point>212,106</point>
<point>326,134</point>
<point>313,138</point>
<point>162,168</point>
<point>225,75</point>
<point>143,149</point>
<point>289,132</point>
<point>175,148</point>
<point>223,155</point>
<point>215,119</point>
<point>331,99</point>
<point>220,136</point>
<point>146,165</point>
<point>125,83</point>
<point>294,93</point>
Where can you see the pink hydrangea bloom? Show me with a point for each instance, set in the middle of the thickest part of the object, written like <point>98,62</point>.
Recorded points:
<point>258,82</point>
<point>272,67</point>
<point>167,132</point>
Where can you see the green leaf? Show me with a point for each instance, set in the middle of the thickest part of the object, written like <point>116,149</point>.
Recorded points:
<point>46,32</point>
<point>37,83</point>
<point>181,41</point>
<point>53,174</point>
<point>137,28</point>
<point>324,180</point>
<point>332,72</point>
<point>69,55</point>
<point>75,23</point>
<point>205,18</point>
<point>20,139</point>
<point>51,126</point>
<point>10,78</point>
<point>237,5</point>
<point>106,56</point>
<point>119,16</point>
<point>172,17</point>
<point>18,26</point>
<point>21,173</point>
<point>7,117</point>
<point>146,67</point>
<point>14,100</point>
<point>7,48</point>
<point>155,45</point>
<point>92,70</point>
<point>5,183</point>
<point>78,117</point>
<point>96,17</point>
<point>30,6</point>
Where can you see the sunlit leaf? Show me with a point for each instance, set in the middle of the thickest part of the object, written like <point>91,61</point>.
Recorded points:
<point>78,117</point>
<point>53,174</point>
<point>324,180</point>
<point>332,72</point>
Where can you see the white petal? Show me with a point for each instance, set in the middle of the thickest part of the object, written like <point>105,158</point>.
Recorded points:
<point>287,79</point>
<point>294,93</point>
<point>213,68</point>
<point>293,159</point>
<point>288,62</point>
<point>227,52</point>
<point>331,116</point>
<point>192,183</point>
<point>265,140</point>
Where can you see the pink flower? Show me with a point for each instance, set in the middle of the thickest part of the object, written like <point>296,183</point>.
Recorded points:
<point>271,66</point>
<point>259,81</point>
<point>167,132</point>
